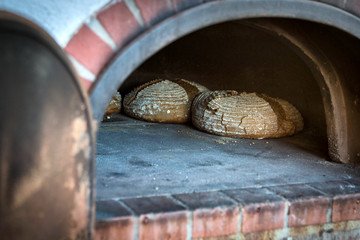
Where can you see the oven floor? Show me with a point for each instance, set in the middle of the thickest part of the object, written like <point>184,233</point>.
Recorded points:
<point>138,159</point>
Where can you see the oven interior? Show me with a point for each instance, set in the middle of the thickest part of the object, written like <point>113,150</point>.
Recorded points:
<point>137,158</point>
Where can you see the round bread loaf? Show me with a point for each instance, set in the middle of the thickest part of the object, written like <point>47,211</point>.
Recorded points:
<point>245,115</point>
<point>162,101</point>
<point>114,104</point>
<point>291,114</point>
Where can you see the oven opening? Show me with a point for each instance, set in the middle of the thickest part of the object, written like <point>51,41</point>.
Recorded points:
<point>173,178</point>
<point>281,58</point>
<point>137,158</point>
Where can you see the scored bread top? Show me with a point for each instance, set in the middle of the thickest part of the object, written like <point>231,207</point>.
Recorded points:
<point>245,115</point>
<point>162,101</point>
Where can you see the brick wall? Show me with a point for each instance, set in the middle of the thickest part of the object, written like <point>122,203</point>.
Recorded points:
<point>304,211</point>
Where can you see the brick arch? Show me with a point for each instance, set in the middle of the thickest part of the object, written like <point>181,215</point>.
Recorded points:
<point>111,29</point>
<point>114,26</point>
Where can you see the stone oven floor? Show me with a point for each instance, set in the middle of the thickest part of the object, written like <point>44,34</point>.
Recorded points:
<point>169,181</point>
<point>137,159</point>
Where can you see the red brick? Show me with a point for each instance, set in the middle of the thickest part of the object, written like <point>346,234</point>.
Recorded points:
<point>308,212</point>
<point>346,207</point>
<point>215,222</point>
<point>263,216</point>
<point>85,83</point>
<point>169,226</point>
<point>119,23</point>
<point>89,50</point>
<point>122,228</point>
<point>153,10</point>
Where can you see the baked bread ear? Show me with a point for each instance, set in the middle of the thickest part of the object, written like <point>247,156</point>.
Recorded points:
<point>162,101</point>
<point>245,115</point>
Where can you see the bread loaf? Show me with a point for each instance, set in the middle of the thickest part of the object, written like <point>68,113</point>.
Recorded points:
<point>162,101</point>
<point>245,115</point>
<point>114,105</point>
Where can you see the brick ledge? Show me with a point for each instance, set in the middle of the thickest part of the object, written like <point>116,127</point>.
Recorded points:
<point>304,210</point>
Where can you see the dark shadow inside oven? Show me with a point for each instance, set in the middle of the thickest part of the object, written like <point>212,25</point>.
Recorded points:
<point>137,158</point>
